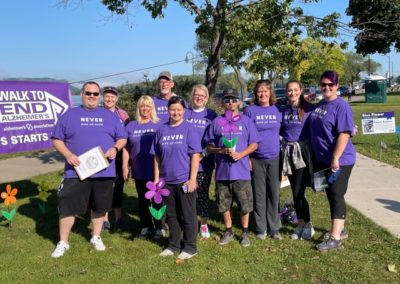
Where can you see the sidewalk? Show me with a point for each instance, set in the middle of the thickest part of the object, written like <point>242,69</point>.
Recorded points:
<point>374,187</point>
<point>374,190</point>
<point>24,167</point>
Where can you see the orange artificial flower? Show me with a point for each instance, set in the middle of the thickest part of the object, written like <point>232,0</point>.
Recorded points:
<point>9,196</point>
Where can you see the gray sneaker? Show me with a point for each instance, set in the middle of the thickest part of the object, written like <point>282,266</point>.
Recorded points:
<point>330,245</point>
<point>308,233</point>
<point>343,235</point>
<point>245,240</point>
<point>261,236</point>
<point>275,235</point>
<point>298,231</point>
<point>226,238</point>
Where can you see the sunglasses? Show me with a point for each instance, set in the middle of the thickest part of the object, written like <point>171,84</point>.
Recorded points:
<point>227,101</point>
<point>96,94</point>
<point>328,84</point>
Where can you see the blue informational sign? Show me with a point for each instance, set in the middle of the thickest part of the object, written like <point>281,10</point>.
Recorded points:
<point>378,122</point>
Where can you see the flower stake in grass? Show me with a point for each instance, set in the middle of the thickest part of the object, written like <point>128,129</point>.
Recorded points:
<point>43,195</point>
<point>9,197</point>
<point>157,192</point>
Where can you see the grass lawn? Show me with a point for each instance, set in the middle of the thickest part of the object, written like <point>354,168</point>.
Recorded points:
<point>26,247</point>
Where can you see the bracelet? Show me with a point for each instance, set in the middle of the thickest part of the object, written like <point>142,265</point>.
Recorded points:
<point>116,148</point>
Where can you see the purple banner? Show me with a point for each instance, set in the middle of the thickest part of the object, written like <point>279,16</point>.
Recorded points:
<point>28,113</point>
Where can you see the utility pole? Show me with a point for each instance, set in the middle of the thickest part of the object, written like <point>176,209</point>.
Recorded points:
<point>190,57</point>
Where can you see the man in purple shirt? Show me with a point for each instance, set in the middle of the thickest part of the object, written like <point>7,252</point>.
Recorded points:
<point>110,100</point>
<point>77,131</point>
<point>233,165</point>
<point>165,84</point>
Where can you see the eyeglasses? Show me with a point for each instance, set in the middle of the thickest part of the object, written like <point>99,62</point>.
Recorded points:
<point>96,94</point>
<point>200,96</point>
<point>227,101</point>
<point>328,84</point>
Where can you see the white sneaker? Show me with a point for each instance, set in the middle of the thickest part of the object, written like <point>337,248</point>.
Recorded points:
<point>97,243</point>
<point>167,252</point>
<point>185,255</point>
<point>60,249</point>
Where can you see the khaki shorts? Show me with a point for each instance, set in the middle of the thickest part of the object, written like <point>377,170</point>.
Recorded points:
<point>238,190</point>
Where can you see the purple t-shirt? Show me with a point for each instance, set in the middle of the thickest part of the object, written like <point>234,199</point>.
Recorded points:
<point>82,129</point>
<point>200,120</point>
<point>162,108</point>
<point>227,168</point>
<point>174,145</point>
<point>326,122</point>
<point>140,140</point>
<point>268,123</point>
<point>293,129</point>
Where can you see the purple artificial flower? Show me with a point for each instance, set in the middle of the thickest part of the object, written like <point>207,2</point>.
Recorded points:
<point>156,190</point>
<point>228,122</point>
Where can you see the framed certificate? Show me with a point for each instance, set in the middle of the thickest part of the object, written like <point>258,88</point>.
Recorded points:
<point>91,162</point>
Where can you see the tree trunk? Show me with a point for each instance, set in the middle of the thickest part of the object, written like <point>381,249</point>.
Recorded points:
<point>242,83</point>
<point>212,70</point>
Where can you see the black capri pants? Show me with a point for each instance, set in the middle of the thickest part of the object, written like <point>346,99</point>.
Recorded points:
<point>336,191</point>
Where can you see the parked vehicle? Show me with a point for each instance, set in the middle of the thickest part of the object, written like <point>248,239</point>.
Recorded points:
<point>309,94</point>
<point>343,90</point>
<point>318,95</point>
<point>249,98</point>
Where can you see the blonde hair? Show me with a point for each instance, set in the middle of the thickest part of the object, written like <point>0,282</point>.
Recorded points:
<point>202,88</point>
<point>146,100</point>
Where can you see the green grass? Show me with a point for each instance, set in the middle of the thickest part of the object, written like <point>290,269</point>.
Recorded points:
<point>369,145</point>
<point>25,250</point>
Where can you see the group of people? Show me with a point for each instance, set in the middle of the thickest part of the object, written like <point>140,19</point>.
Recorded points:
<point>182,145</point>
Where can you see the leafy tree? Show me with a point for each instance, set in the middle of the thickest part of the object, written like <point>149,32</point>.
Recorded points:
<point>321,56</point>
<point>355,64</point>
<point>379,25</point>
<point>238,27</point>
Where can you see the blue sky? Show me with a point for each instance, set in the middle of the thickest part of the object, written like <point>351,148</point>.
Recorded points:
<point>83,41</point>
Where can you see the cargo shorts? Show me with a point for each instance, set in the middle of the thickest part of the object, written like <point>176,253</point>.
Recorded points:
<point>236,190</point>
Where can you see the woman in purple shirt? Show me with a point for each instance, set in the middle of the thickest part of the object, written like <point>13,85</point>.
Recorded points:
<point>297,162</point>
<point>265,161</point>
<point>331,126</point>
<point>200,118</point>
<point>177,151</point>
<point>141,134</point>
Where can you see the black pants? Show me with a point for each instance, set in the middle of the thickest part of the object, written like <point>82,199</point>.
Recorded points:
<point>298,182</point>
<point>335,192</point>
<point>203,182</point>
<point>146,220</point>
<point>181,216</point>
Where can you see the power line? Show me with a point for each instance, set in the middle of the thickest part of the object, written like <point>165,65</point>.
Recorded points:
<point>132,71</point>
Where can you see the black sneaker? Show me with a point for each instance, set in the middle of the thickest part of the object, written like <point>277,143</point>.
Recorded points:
<point>245,240</point>
<point>120,224</point>
<point>226,238</point>
<point>330,245</point>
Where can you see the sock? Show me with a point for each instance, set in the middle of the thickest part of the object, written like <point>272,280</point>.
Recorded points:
<point>229,230</point>
<point>246,230</point>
